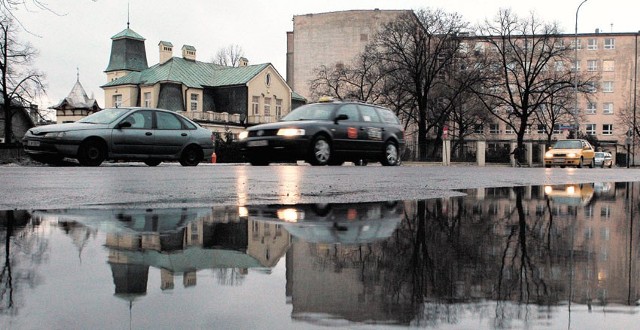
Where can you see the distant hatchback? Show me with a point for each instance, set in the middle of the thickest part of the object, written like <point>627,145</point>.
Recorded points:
<point>603,159</point>
<point>327,133</point>
<point>573,152</point>
<point>130,134</point>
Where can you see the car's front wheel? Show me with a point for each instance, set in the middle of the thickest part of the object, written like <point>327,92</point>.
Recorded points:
<point>320,151</point>
<point>390,157</point>
<point>191,156</point>
<point>92,153</point>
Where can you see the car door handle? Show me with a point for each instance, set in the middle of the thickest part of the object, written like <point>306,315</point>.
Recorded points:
<point>148,133</point>
<point>184,134</point>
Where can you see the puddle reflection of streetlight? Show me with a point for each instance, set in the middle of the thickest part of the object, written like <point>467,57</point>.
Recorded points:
<point>288,184</point>
<point>241,185</point>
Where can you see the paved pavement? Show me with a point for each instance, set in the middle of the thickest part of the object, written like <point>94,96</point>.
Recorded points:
<point>170,185</point>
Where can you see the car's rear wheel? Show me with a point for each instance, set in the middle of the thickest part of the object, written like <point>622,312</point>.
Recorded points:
<point>152,162</point>
<point>390,157</point>
<point>92,153</point>
<point>191,156</point>
<point>320,152</point>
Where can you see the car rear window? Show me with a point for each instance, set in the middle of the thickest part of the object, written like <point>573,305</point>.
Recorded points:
<point>388,116</point>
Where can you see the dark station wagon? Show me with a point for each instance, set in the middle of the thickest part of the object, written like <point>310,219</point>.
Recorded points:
<point>327,133</point>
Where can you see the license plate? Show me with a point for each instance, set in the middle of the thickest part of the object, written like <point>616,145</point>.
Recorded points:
<point>33,143</point>
<point>258,143</point>
<point>558,160</point>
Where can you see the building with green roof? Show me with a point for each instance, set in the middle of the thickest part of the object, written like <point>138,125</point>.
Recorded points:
<point>222,98</point>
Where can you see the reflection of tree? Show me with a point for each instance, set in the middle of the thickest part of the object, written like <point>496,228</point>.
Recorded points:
<point>24,249</point>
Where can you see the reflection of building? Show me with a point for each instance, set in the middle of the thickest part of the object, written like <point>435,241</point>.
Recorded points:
<point>179,242</point>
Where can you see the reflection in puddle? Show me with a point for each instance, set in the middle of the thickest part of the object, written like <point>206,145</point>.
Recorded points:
<point>542,257</point>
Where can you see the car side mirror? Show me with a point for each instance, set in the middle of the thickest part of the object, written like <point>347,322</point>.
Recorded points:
<point>340,117</point>
<point>124,124</point>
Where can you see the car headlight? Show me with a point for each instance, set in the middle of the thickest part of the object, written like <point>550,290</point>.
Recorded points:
<point>290,132</point>
<point>548,155</point>
<point>571,155</point>
<point>55,135</point>
<point>243,135</point>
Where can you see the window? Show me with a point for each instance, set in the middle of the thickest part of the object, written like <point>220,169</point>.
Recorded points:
<point>479,129</point>
<point>607,108</point>
<point>117,100</point>
<point>494,129</point>
<point>592,44</point>
<point>609,43</point>
<point>267,106</point>
<point>369,114</point>
<point>147,99</point>
<point>607,86</point>
<point>541,129</point>
<point>278,108</point>
<point>267,79</point>
<point>509,130</point>
<point>351,110</point>
<point>573,44</point>
<point>194,102</point>
<point>591,129</point>
<point>577,66</point>
<point>255,105</point>
<point>607,129</point>
<point>591,108</point>
<point>167,121</point>
<point>559,66</point>
<point>592,65</point>
<point>608,65</point>
<point>592,86</point>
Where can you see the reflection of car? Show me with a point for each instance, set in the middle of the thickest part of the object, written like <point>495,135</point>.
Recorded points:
<point>333,223</point>
<point>603,159</point>
<point>327,133</point>
<point>570,194</point>
<point>149,135</point>
<point>570,153</point>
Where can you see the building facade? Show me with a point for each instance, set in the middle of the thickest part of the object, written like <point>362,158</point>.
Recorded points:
<point>76,105</point>
<point>221,98</point>
<point>330,38</point>
<point>606,114</point>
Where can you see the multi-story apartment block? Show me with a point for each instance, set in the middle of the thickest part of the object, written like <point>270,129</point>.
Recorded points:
<point>338,37</point>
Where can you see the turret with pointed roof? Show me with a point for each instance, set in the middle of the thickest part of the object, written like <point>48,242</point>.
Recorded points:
<point>127,54</point>
<point>76,105</point>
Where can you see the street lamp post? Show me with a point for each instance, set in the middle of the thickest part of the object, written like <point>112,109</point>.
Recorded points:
<point>575,69</point>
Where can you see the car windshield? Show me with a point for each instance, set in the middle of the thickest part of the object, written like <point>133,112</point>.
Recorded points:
<point>316,111</point>
<point>105,116</point>
<point>568,145</point>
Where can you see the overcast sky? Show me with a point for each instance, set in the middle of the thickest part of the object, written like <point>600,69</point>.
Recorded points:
<point>78,35</point>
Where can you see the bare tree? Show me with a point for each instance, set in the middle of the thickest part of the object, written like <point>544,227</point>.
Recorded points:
<point>555,112</point>
<point>421,47</point>
<point>530,65</point>
<point>20,83</point>
<point>229,56</point>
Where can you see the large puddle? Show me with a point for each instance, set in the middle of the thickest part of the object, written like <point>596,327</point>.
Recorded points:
<point>550,257</point>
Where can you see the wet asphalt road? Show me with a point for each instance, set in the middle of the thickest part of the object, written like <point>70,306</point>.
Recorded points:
<point>171,185</point>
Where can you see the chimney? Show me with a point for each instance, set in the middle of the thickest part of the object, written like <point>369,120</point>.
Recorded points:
<point>189,52</point>
<point>243,62</point>
<point>597,31</point>
<point>166,51</point>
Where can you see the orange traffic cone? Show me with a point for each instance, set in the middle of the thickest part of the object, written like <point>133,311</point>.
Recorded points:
<point>214,158</point>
